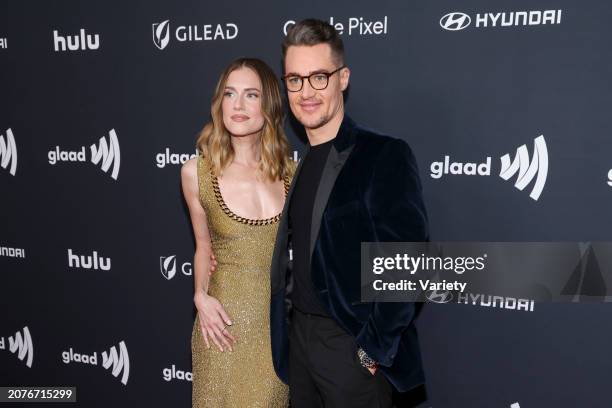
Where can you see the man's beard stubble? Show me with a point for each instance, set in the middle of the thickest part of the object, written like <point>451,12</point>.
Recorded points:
<point>317,123</point>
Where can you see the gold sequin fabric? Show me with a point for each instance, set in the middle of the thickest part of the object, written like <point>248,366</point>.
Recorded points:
<point>241,282</point>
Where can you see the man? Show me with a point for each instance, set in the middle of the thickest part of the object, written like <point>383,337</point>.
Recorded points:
<point>352,186</point>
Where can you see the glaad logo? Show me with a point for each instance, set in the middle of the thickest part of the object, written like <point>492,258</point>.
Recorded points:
<point>166,157</point>
<point>12,252</point>
<point>20,344</point>
<point>538,167</point>
<point>79,42</point>
<point>527,169</point>
<point>192,33</point>
<point>167,267</point>
<point>354,26</point>
<point>3,43</point>
<point>118,362</point>
<point>8,152</point>
<point>93,261</point>
<point>174,374</point>
<point>107,153</point>
<point>456,21</point>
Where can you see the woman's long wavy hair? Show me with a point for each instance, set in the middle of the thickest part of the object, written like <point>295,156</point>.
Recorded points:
<point>215,142</point>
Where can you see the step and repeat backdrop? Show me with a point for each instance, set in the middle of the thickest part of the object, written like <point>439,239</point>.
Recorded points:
<point>506,105</point>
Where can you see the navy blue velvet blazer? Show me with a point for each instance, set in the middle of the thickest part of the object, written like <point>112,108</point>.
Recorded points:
<point>370,191</point>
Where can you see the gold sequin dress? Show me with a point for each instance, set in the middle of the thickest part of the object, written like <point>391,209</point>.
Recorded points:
<point>241,282</point>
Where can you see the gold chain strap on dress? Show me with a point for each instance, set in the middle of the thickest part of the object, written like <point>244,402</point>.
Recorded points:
<point>230,213</point>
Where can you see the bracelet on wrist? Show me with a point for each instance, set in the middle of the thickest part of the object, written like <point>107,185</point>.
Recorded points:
<point>365,360</point>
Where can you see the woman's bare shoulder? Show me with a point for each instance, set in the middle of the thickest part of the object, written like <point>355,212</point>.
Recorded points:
<point>190,168</point>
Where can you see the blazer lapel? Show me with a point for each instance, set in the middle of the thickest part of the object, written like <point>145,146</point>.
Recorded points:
<point>338,153</point>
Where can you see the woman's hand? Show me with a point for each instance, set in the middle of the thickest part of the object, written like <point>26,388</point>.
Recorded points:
<point>213,322</point>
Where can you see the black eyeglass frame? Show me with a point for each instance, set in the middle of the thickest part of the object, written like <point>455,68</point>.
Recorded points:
<point>302,77</point>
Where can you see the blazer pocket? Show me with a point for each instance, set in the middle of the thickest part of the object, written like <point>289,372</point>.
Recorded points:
<point>351,208</point>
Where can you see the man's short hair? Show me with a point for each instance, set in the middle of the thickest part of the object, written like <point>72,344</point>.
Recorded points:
<point>312,32</point>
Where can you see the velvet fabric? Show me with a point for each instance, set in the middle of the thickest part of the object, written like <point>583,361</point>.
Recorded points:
<point>369,192</point>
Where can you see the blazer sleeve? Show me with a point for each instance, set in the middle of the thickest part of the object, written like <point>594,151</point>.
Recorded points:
<point>395,205</point>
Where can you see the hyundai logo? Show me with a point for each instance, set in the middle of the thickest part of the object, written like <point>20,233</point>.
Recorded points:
<point>455,21</point>
<point>439,297</point>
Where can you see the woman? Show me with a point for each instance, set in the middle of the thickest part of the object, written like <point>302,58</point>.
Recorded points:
<point>235,191</point>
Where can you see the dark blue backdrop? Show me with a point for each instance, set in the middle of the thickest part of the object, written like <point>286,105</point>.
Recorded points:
<point>435,75</point>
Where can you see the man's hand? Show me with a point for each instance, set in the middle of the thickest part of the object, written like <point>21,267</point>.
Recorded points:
<point>366,361</point>
<point>213,264</point>
<point>214,322</point>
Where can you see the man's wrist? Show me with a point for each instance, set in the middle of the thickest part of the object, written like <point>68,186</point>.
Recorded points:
<point>366,360</point>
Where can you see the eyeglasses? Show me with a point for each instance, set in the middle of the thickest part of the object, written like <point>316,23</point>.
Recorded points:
<point>318,80</point>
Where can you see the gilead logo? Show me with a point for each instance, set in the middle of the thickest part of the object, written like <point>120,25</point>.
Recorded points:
<point>167,267</point>
<point>525,169</point>
<point>162,33</point>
